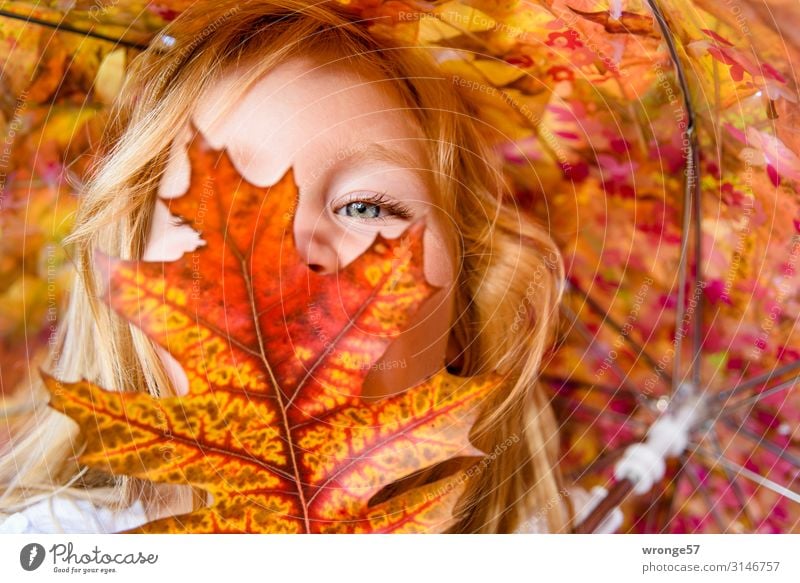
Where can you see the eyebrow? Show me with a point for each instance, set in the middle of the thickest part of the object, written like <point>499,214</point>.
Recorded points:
<point>377,152</point>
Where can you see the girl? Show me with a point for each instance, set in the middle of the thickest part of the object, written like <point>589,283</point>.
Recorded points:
<point>378,137</point>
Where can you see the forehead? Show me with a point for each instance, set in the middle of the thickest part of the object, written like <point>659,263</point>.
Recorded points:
<point>309,113</point>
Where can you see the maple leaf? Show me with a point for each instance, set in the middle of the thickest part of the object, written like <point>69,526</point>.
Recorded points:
<point>273,425</point>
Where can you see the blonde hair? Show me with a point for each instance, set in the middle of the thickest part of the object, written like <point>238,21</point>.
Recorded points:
<point>509,283</point>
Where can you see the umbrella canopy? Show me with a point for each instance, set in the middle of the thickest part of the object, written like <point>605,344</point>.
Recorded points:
<point>655,142</point>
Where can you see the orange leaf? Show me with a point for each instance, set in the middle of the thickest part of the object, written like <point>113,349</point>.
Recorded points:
<point>273,426</point>
<point>627,23</point>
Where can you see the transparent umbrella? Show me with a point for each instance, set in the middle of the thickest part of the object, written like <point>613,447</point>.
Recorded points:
<point>690,446</point>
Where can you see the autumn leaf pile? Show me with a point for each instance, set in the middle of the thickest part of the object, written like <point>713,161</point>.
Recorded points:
<point>273,426</point>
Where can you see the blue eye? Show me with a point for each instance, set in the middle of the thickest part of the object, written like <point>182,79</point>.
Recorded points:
<point>373,206</point>
<point>362,210</point>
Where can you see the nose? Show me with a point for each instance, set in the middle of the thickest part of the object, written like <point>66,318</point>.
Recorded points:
<point>316,245</point>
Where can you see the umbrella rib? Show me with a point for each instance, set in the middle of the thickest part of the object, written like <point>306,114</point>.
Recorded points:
<point>691,206</point>
<point>761,441</point>
<point>61,26</point>
<point>598,309</point>
<point>759,380</point>
<point>597,465</point>
<point>587,336</point>
<point>623,419</point>
<point>787,384</point>
<point>754,477</point>
<point>735,486</point>
<point>698,486</point>
<point>568,382</point>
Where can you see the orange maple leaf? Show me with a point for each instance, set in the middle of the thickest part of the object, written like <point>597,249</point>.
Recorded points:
<point>273,426</point>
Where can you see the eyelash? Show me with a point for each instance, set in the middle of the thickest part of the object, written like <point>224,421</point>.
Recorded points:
<point>379,199</point>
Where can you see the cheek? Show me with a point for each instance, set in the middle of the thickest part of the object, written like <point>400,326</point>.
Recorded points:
<point>439,256</point>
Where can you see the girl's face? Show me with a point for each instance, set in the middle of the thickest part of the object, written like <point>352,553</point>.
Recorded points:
<point>359,163</point>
